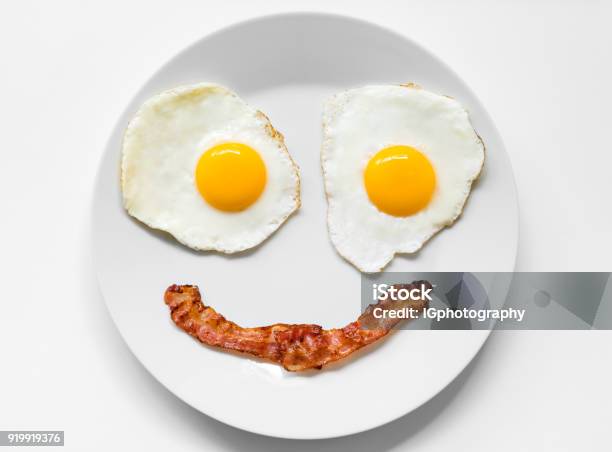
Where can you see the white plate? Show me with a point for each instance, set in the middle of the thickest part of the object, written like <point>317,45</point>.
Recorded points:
<point>286,66</point>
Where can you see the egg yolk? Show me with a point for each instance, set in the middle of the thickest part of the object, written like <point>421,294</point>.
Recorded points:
<point>230,176</point>
<point>399,180</point>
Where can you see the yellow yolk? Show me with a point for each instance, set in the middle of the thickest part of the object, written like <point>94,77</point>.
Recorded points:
<point>399,180</point>
<point>230,176</point>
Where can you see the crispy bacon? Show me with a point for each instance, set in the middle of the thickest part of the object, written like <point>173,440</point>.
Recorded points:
<point>296,347</point>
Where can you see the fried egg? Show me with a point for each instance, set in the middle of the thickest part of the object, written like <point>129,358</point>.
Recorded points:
<point>202,165</point>
<point>398,163</point>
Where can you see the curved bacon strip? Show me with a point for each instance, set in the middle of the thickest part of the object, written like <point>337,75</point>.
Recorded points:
<point>295,347</point>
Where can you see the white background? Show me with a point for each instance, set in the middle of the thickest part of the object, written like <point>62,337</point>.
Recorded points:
<point>543,71</point>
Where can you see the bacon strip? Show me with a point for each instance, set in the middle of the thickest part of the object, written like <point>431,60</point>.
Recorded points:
<point>295,347</point>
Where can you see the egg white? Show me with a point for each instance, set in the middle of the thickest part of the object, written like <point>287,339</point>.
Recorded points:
<point>360,122</point>
<point>161,148</point>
